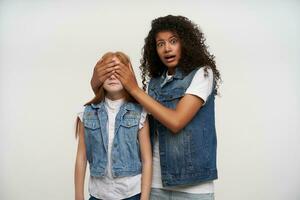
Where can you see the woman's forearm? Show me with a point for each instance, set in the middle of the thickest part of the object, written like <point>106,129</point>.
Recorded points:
<point>173,119</point>
<point>160,112</point>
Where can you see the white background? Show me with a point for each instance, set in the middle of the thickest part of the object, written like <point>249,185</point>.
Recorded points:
<point>47,53</point>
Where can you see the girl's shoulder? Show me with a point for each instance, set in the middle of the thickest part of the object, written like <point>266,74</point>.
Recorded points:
<point>89,111</point>
<point>133,106</point>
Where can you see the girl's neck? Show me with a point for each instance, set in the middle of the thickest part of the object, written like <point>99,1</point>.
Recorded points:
<point>114,105</point>
<point>115,96</point>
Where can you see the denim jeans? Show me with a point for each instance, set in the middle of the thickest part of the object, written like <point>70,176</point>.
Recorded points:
<point>159,194</point>
<point>135,197</point>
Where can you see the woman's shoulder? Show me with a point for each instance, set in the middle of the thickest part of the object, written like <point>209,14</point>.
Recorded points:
<point>203,72</point>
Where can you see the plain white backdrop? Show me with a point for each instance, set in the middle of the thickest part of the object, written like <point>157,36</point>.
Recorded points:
<point>47,53</point>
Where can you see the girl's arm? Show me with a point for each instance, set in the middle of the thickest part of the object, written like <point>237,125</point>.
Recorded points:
<point>173,119</point>
<point>80,165</point>
<point>146,156</point>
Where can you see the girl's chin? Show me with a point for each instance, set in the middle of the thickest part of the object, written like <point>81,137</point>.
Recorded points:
<point>115,95</point>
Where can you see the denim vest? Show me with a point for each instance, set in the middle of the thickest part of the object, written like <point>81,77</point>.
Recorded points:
<point>189,156</point>
<point>125,153</point>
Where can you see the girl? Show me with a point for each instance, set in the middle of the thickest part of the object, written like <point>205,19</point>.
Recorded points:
<point>181,93</point>
<point>114,138</point>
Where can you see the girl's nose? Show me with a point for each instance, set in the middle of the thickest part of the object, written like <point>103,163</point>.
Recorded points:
<point>112,77</point>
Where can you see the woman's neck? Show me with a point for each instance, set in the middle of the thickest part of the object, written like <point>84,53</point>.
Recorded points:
<point>171,71</point>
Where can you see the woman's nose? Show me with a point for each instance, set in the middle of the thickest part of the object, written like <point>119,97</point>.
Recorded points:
<point>167,47</point>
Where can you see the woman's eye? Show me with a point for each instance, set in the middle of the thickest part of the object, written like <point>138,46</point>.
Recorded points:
<point>173,41</point>
<point>160,44</point>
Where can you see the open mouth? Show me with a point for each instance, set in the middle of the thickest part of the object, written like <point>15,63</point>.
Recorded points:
<point>170,58</point>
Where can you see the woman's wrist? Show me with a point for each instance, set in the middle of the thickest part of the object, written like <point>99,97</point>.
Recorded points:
<point>144,196</point>
<point>135,91</point>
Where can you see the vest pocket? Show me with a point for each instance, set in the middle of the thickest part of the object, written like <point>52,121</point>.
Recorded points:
<point>92,124</point>
<point>128,123</point>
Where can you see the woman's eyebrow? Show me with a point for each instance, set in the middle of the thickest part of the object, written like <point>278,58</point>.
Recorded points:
<point>161,40</point>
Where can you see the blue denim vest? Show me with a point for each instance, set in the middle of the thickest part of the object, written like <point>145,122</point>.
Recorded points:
<point>187,157</point>
<point>125,153</point>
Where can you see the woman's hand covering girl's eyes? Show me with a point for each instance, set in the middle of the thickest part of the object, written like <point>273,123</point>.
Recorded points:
<point>102,71</point>
<point>125,74</point>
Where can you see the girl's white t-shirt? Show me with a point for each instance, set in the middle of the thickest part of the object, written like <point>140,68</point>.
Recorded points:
<point>108,187</point>
<point>201,86</point>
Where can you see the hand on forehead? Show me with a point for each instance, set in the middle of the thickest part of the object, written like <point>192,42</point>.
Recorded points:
<point>115,58</point>
<point>118,60</point>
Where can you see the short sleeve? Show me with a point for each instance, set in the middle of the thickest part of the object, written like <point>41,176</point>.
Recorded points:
<point>143,118</point>
<point>202,84</point>
<point>80,114</point>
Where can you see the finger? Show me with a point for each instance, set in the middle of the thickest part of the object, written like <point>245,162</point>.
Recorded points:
<point>100,61</point>
<point>105,69</point>
<point>120,65</point>
<point>104,64</point>
<point>120,72</point>
<point>120,78</point>
<point>118,68</point>
<point>130,67</point>
<point>99,64</point>
<point>107,75</point>
<point>122,68</point>
<point>108,62</point>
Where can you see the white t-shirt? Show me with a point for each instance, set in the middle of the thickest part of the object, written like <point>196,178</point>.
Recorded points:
<point>108,187</point>
<point>201,86</point>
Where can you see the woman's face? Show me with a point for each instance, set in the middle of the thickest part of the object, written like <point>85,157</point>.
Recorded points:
<point>168,48</point>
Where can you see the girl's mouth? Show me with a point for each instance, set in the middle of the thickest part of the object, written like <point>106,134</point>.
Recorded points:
<point>113,84</point>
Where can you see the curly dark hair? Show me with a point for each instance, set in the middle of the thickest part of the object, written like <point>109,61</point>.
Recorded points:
<point>194,52</point>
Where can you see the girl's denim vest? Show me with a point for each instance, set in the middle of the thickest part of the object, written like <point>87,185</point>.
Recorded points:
<point>125,153</point>
<point>189,156</point>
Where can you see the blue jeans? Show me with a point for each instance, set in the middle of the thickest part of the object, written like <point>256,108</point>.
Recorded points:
<point>135,197</point>
<point>159,194</point>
